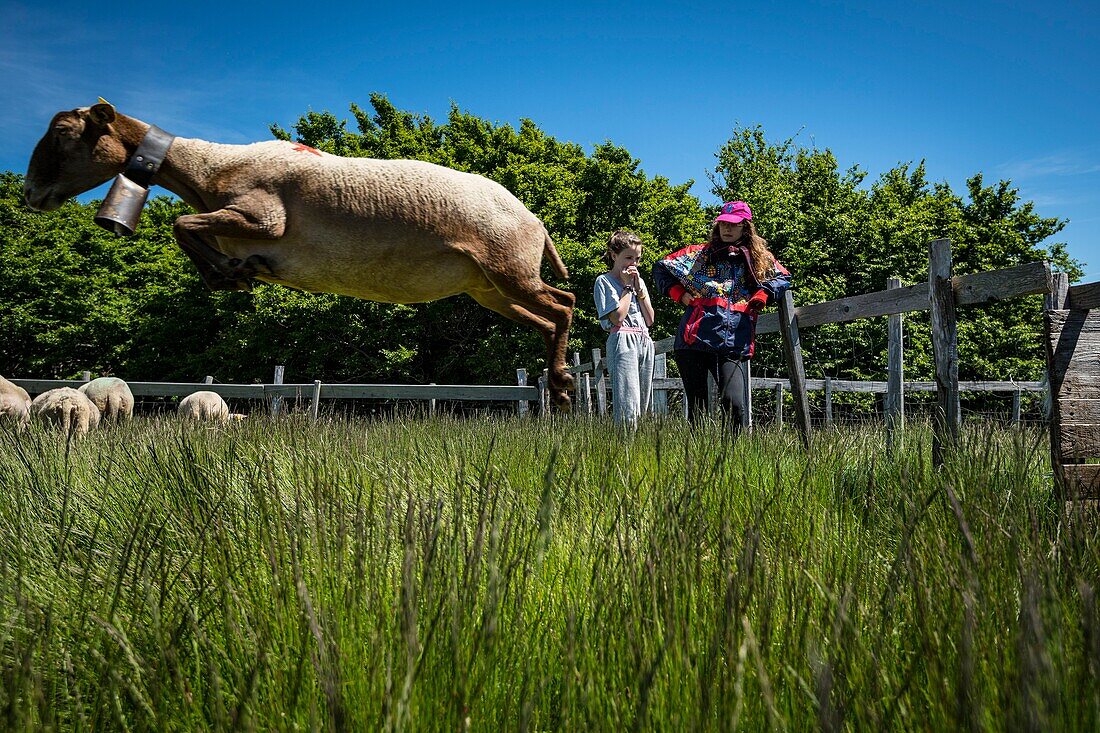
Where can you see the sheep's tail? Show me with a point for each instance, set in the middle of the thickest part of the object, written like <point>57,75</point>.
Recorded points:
<point>551,253</point>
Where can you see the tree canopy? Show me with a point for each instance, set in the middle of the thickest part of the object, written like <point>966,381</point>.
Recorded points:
<point>74,297</point>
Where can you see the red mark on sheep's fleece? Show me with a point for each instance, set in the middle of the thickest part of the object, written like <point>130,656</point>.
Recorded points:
<point>301,147</point>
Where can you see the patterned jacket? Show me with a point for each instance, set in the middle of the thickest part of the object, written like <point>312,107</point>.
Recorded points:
<point>722,317</point>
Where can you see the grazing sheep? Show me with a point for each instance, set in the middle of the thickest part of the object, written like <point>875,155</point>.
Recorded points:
<point>67,408</point>
<point>111,395</point>
<point>15,403</point>
<point>204,406</point>
<point>14,408</point>
<point>8,388</point>
<point>393,231</point>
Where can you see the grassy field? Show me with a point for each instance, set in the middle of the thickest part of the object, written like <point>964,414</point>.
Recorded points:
<point>416,574</point>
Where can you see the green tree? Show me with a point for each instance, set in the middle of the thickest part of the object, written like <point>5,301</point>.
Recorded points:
<point>840,237</point>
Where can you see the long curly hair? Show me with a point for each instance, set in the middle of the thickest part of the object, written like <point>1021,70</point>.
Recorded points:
<point>763,261</point>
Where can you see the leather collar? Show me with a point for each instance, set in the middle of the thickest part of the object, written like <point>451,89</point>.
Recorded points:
<point>147,159</point>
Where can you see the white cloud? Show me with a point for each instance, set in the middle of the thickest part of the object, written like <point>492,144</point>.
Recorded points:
<point>1058,164</point>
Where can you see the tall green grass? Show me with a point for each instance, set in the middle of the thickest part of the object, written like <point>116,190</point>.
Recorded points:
<point>417,574</point>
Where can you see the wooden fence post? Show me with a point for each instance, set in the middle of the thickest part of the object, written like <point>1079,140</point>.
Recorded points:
<point>85,376</point>
<point>713,405</point>
<point>746,416</point>
<point>601,383</point>
<point>660,396</point>
<point>208,380</point>
<point>544,393</point>
<point>828,402</point>
<point>580,396</point>
<point>945,349</point>
<point>1016,399</point>
<point>779,406</point>
<point>792,350</point>
<point>521,380</point>
<point>1072,342</point>
<point>315,403</point>
<point>587,381</point>
<point>277,400</point>
<point>431,402</point>
<point>895,373</point>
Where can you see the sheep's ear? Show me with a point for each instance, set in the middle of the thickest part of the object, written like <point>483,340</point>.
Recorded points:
<point>102,113</point>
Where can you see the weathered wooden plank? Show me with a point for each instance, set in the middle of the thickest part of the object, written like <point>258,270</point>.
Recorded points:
<point>315,400</point>
<point>659,398</point>
<point>1032,278</point>
<point>171,389</point>
<point>1082,412</point>
<point>1081,481</point>
<point>1085,296</point>
<point>792,350</point>
<point>1078,442</point>
<point>872,387</point>
<point>38,386</point>
<point>578,396</point>
<point>895,369</point>
<point>471,392</point>
<point>601,382</point>
<point>1058,297</point>
<point>521,381</point>
<point>779,406</point>
<point>1073,343</point>
<point>945,349</point>
<point>1074,387</point>
<point>983,287</point>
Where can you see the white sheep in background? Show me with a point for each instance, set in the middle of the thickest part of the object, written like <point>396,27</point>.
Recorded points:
<point>67,408</point>
<point>15,403</point>
<point>112,396</point>
<point>204,406</point>
<point>14,408</point>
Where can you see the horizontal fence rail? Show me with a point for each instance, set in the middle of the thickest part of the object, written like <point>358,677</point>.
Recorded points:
<point>842,385</point>
<point>470,392</point>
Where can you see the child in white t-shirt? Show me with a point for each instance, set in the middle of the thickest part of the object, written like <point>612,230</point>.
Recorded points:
<point>626,312</point>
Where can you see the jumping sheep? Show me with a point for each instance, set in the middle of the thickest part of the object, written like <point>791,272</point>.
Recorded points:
<point>392,231</point>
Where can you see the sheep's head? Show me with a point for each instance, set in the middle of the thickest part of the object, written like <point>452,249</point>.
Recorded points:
<point>77,153</point>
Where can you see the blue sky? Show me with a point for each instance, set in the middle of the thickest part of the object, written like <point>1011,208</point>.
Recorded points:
<point>1006,88</point>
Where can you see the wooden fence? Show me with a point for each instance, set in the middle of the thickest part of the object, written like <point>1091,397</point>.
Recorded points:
<point>943,294</point>
<point>1073,362</point>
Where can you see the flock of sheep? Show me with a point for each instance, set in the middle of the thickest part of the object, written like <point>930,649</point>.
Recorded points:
<point>76,411</point>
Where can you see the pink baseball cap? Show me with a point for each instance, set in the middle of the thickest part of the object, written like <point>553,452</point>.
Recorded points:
<point>734,211</point>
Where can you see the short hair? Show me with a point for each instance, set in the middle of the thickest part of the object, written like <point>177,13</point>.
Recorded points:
<point>619,241</point>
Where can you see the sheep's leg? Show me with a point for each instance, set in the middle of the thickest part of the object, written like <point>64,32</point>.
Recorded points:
<point>551,307</point>
<point>495,301</point>
<point>219,271</point>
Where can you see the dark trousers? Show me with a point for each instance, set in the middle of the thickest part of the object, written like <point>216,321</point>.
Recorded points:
<point>729,372</point>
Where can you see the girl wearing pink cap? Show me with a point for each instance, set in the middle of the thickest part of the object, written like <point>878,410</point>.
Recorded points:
<point>723,285</point>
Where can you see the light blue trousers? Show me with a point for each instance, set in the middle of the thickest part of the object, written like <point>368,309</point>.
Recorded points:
<point>630,362</point>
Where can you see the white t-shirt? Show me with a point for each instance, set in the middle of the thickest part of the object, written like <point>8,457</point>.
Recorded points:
<point>606,293</point>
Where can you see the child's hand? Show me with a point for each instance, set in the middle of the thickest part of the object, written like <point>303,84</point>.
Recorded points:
<point>635,278</point>
<point>686,299</point>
